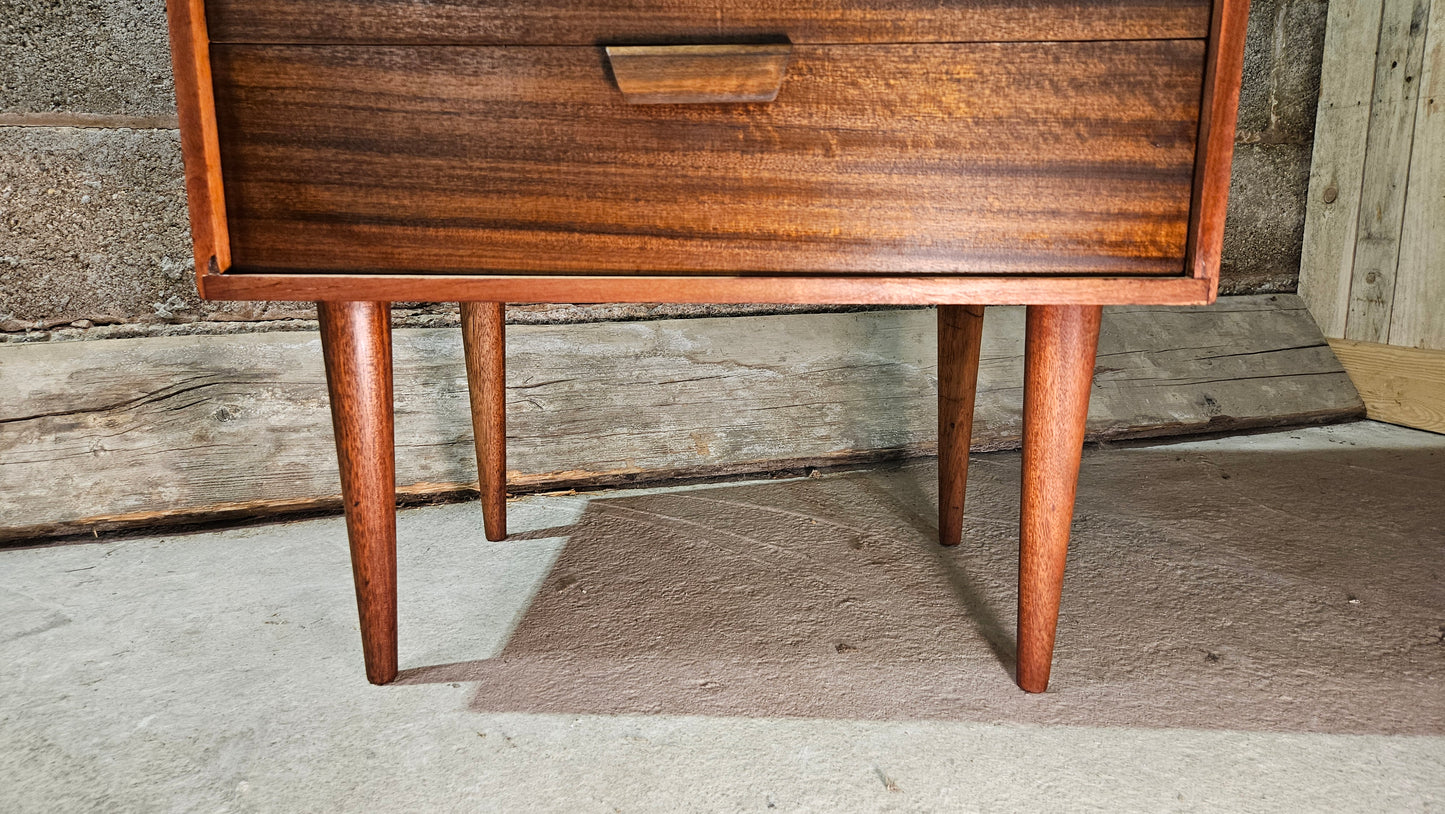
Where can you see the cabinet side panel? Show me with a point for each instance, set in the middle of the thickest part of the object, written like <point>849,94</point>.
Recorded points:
<point>1222,76</point>
<point>195,106</point>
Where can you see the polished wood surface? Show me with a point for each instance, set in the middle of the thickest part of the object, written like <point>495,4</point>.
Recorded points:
<point>1060,158</point>
<point>1059,153</point>
<point>877,290</point>
<point>485,347</point>
<point>588,22</point>
<point>698,74</point>
<point>960,338</point>
<point>356,344</point>
<point>1224,71</point>
<point>1059,351</point>
<point>200,150</point>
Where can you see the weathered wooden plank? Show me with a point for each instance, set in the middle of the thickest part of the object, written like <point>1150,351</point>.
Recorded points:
<point>118,432</point>
<point>1418,318</point>
<point>1387,167</point>
<point>1399,385</point>
<point>1347,78</point>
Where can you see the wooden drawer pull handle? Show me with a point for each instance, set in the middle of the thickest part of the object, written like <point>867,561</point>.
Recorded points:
<point>699,74</point>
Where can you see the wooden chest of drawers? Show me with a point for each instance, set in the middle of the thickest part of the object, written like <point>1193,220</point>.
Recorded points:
<point>1063,154</point>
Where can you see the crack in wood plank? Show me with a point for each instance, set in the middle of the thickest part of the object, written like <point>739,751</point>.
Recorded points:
<point>602,404</point>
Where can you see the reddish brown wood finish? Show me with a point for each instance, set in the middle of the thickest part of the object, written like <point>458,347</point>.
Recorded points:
<point>1018,159</point>
<point>356,344</point>
<point>877,290</point>
<point>960,329</point>
<point>698,74</point>
<point>195,107</point>
<point>588,22</point>
<point>1222,76</point>
<point>484,345</point>
<point>1050,153</point>
<point>1059,351</point>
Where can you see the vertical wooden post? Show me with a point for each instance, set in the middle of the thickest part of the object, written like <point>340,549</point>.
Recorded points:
<point>485,347</point>
<point>960,328</point>
<point>1059,352</point>
<point>356,344</point>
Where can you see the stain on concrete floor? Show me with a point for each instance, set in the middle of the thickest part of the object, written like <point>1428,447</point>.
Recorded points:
<point>1289,591</point>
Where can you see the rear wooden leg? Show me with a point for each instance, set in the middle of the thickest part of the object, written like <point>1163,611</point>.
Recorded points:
<point>959,330</point>
<point>356,344</point>
<point>1058,369</point>
<point>484,345</point>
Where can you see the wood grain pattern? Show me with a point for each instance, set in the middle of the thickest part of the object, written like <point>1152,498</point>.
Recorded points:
<point>484,345</point>
<point>960,339</point>
<point>1387,169</point>
<point>196,114</point>
<point>1223,74</point>
<point>974,159</point>
<point>1337,167</point>
<point>877,290</point>
<point>588,22</point>
<point>1372,269</point>
<point>1060,348</point>
<point>174,429</point>
<point>1399,385</point>
<point>1418,317</point>
<point>698,74</point>
<point>356,346</point>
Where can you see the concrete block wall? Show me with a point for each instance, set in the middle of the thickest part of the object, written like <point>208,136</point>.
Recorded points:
<point>1264,230</point>
<point>93,234</point>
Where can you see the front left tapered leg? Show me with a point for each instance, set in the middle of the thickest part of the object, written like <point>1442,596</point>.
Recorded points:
<point>1059,352</point>
<point>356,344</point>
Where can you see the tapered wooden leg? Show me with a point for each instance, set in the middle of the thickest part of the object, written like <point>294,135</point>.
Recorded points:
<point>356,343</point>
<point>484,344</point>
<point>959,330</point>
<point>1058,370</point>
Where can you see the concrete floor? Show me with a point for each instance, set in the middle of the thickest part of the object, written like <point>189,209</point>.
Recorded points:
<point>1253,623</point>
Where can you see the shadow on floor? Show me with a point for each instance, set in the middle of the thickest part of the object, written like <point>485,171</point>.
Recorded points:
<point>1280,591</point>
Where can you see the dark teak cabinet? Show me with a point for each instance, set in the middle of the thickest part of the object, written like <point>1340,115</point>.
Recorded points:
<point>1061,154</point>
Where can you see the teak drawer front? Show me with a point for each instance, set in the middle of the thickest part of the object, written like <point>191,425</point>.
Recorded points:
<point>991,158</point>
<point>594,22</point>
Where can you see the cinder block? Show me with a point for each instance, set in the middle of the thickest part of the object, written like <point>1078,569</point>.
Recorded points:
<point>1264,229</point>
<point>1282,52</point>
<point>1258,61</point>
<point>1297,71</point>
<point>92,223</point>
<point>85,56</point>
